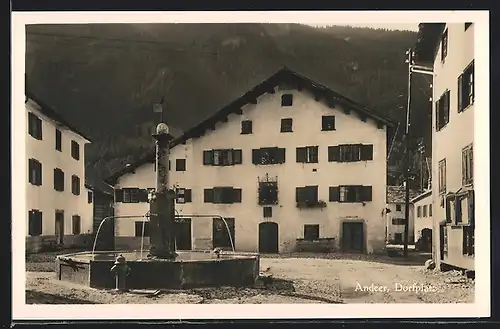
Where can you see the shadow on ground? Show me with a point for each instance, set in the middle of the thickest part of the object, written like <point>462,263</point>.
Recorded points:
<point>38,297</point>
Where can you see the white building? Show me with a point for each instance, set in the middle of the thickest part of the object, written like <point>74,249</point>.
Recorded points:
<point>423,223</point>
<point>289,161</point>
<point>448,50</point>
<point>58,209</point>
<point>395,216</point>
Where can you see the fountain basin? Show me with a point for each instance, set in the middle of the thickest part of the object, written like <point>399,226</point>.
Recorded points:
<point>191,269</point>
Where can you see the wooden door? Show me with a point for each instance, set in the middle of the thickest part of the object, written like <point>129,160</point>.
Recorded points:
<point>268,237</point>
<point>352,237</point>
<point>59,227</point>
<point>183,234</point>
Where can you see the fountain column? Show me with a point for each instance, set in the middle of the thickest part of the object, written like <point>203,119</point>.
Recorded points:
<point>162,207</point>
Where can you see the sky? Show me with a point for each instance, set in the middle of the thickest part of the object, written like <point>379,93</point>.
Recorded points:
<point>389,26</point>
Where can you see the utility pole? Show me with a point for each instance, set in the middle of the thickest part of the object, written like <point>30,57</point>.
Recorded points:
<point>409,60</point>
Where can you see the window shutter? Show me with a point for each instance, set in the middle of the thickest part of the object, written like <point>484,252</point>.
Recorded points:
<point>118,195</point>
<point>470,204</point>
<point>237,195</point>
<point>31,169</point>
<point>448,209</point>
<point>367,193</point>
<point>460,92</point>
<point>188,197</point>
<point>366,152</point>
<point>256,156</point>
<point>280,155</point>
<point>311,193</point>
<point>143,195</point>
<point>438,113</point>
<point>447,107</point>
<point>301,154</point>
<point>237,156</point>
<point>464,167</point>
<point>333,153</point>
<point>314,154</point>
<point>208,195</point>
<point>298,194</point>
<point>334,193</point>
<point>208,157</point>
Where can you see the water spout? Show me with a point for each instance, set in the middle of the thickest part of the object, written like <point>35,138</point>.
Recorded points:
<point>102,222</point>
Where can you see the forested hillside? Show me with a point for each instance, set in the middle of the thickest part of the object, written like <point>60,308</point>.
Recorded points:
<point>104,78</point>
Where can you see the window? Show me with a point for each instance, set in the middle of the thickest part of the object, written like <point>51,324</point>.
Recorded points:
<point>311,232</point>
<point>222,195</point>
<point>35,172</point>
<point>350,153</point>
<point>34,126</point>
<point>221,238</point>
<point>184,195</point>
<point>76,224</point>
<point>467,166</point>
<point>308,154</point>
<point>180,164</point>
<point>398,221</point>
<point>442,176</point>
<point>268,193</point>
<point>75,185</point>
<point>268,156</point>
<point>286,125</point>
<point>327,122</point>
<point>443,110</point>
<point>287,100</point>
<point>398,207</point>
<point>306,194</point>
<point>430,210</point>
<point>468,240</point>
<point>267,212</point>
<point>350,193</point>
<point>222,157</point>
<point>467,25</point>
<point>140,226</point>
<point>90,197</point>
<point>424,210</point>
<point>466,88</point>
<point>34,222</point>
<point>419,211</point>
<point>75,150</point>
<point>444,45</point>
<point>58,140</point>
<point>58,180</point>
<point>131,195</point>
<point>246,127</point>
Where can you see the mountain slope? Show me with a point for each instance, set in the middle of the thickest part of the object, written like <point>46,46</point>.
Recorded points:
<point>106,77</point>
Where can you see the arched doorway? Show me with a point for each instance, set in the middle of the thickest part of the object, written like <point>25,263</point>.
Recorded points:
<point>268,237</point>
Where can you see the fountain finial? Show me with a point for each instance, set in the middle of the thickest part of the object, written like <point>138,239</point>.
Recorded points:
<point>162,129</point>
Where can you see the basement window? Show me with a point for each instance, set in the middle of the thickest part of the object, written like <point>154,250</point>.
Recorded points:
<point>311,232</point>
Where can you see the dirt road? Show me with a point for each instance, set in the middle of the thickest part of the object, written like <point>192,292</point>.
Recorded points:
<point>303,280</point>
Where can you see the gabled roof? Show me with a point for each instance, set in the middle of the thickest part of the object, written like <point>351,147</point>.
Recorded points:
<point>421,196</point>
<point>396,194</point>
<point>428,38</point>
<point>52,114</point>
<point>284,75</point>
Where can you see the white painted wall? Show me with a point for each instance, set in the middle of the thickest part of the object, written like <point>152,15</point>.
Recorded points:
<point>266,116</point>
<point>44,197</point>
<point>423,222</point>
<point>449,141</point>
<point>393,229</point>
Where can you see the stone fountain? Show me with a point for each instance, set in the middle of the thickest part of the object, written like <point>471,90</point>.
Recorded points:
<point>164,267</point>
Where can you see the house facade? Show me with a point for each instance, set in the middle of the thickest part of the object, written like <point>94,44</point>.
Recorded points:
<point>423,222</point>
<point>448,49</point>
<point>291,160</point>
<point>58,212</point>
<point>395,216</point>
